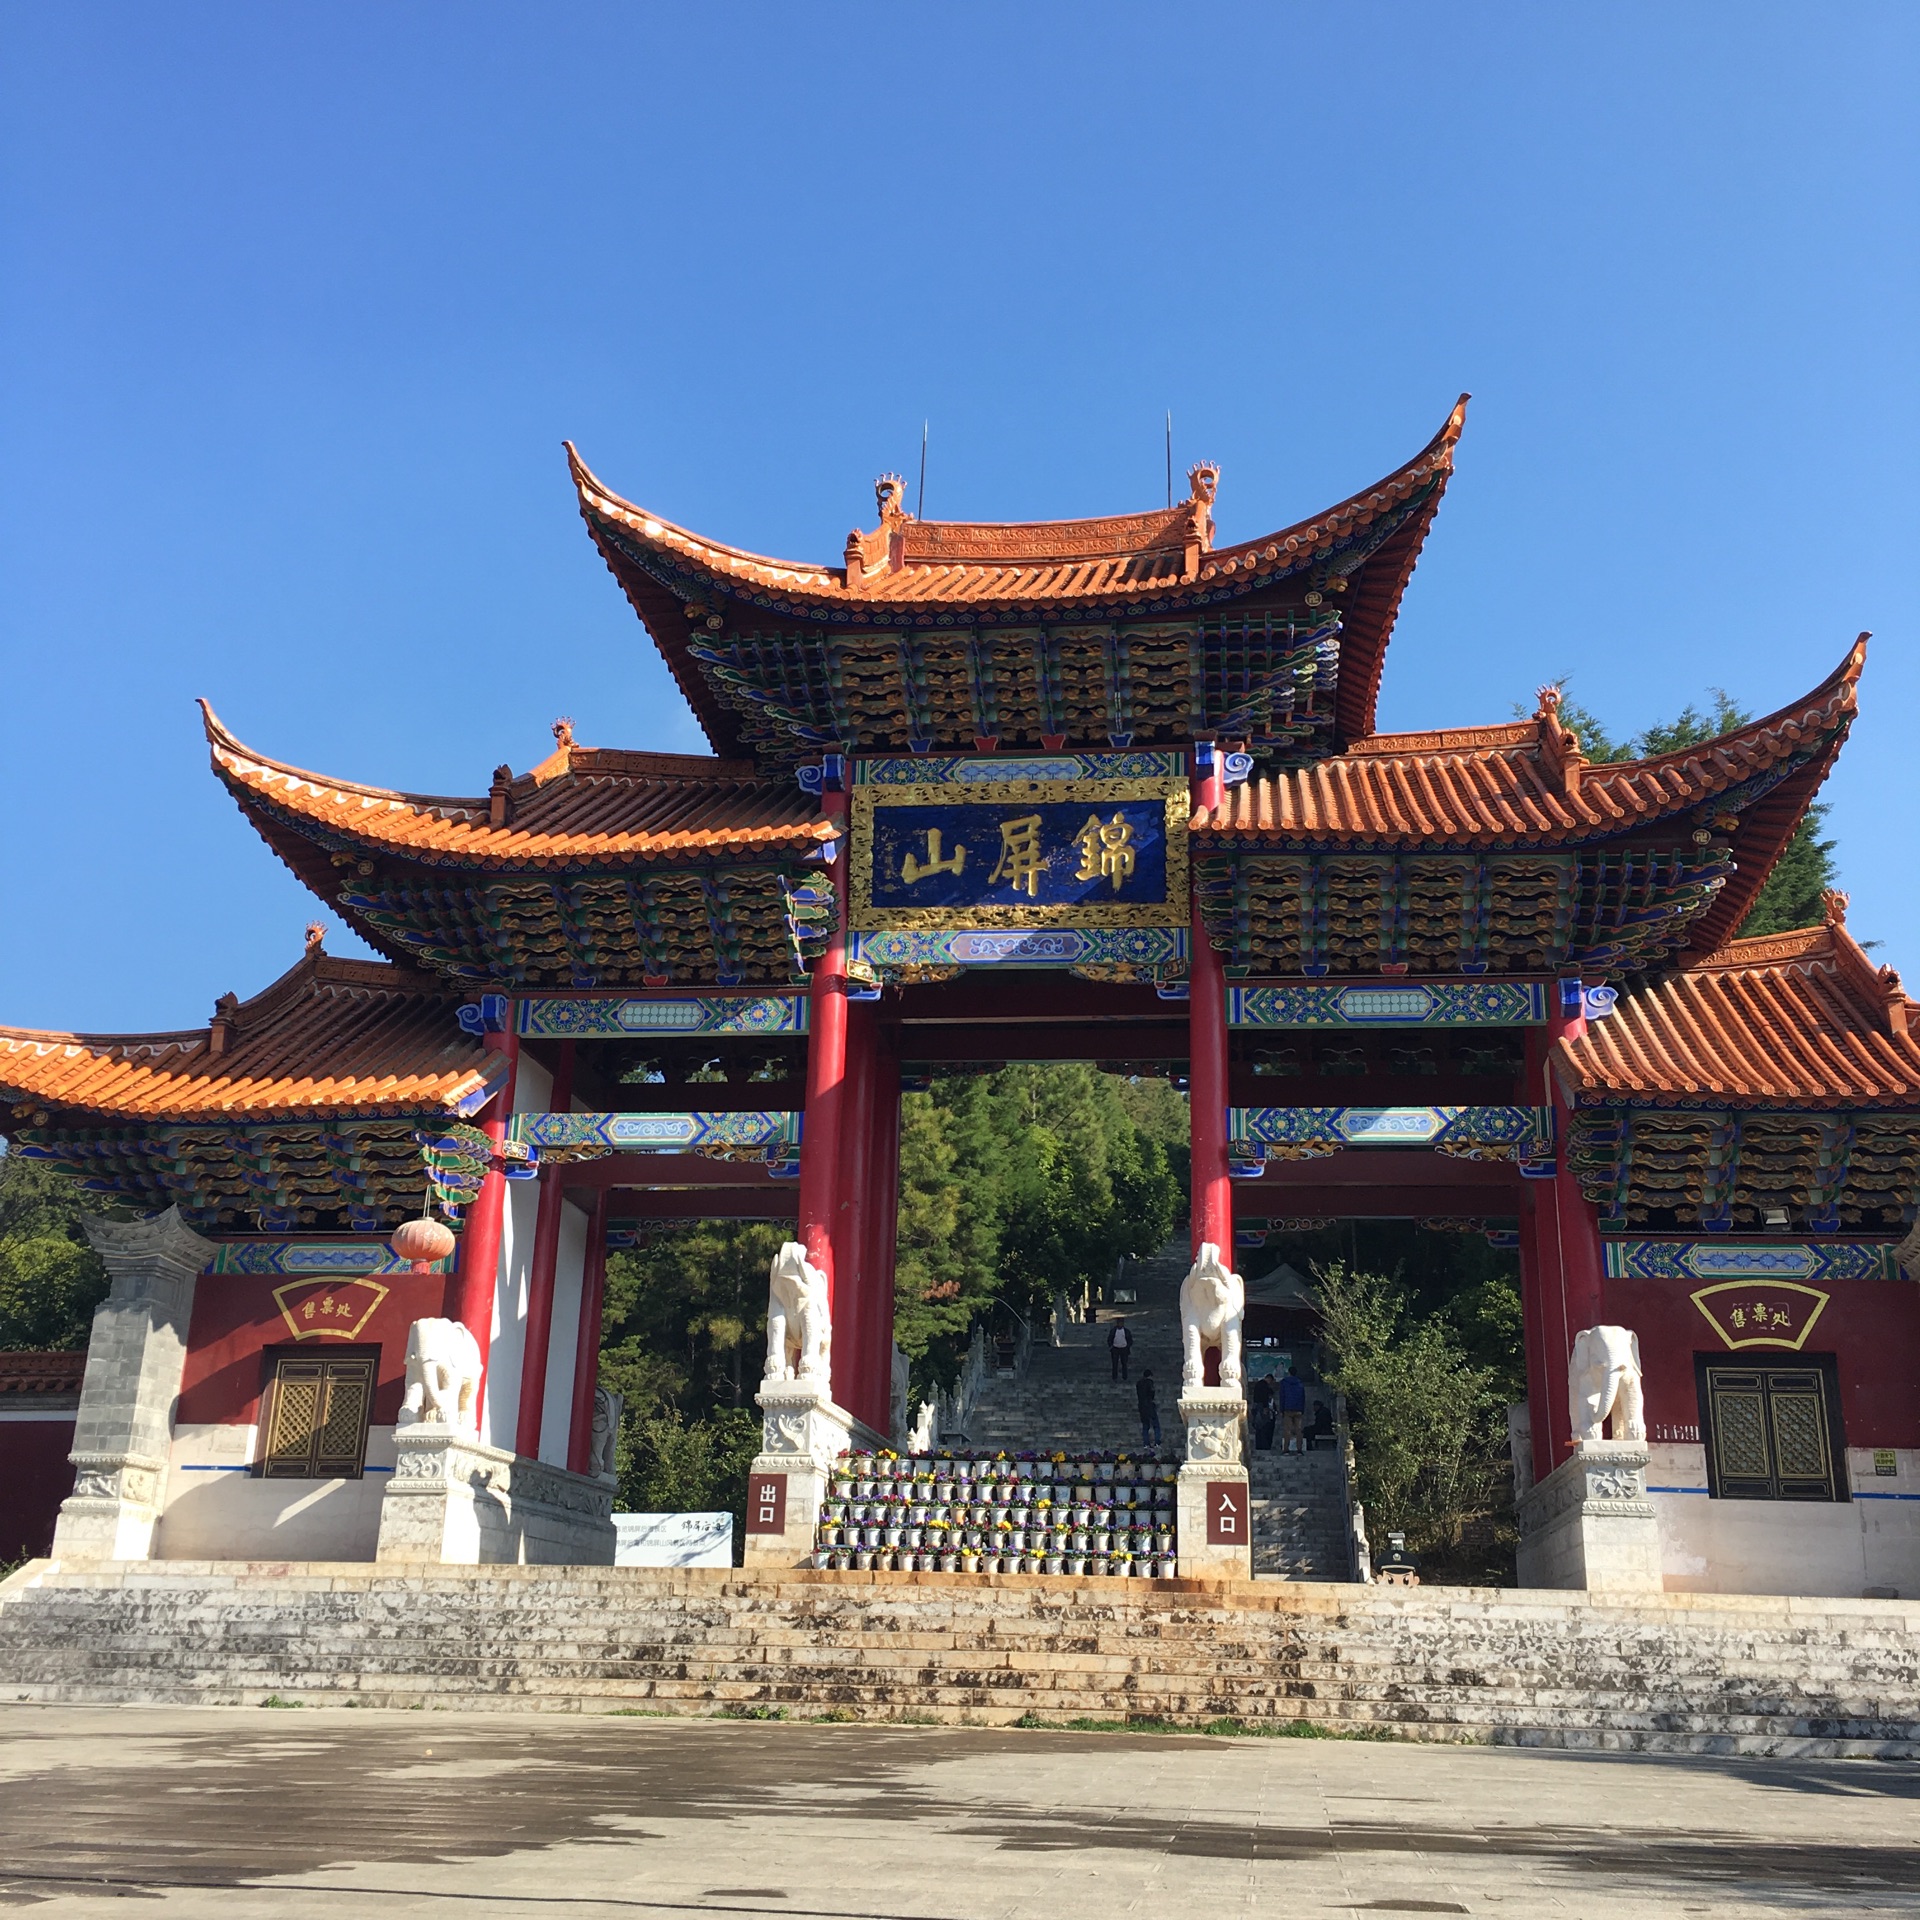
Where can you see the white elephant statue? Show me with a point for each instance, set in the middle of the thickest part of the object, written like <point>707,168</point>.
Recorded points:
<point>799,1326</point>
<point>1603,1380</point>
<point>608,1407</point>
<point>1213,1303</point>
<point>443,1375</point>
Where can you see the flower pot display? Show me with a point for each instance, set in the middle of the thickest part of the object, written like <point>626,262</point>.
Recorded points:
<point>958,1512</point>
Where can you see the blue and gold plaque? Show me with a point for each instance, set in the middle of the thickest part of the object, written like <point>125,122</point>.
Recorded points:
<point>1042,853</point>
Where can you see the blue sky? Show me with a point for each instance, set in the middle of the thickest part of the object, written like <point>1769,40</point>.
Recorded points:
<point>298,302</point>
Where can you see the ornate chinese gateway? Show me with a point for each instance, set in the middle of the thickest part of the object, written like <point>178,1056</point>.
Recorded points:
<point>1101,790</point>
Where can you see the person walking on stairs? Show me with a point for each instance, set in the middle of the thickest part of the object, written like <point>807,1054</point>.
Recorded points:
<point>1293,1413</point>
<point>1119,1348</point>
<point>1149,1409</point>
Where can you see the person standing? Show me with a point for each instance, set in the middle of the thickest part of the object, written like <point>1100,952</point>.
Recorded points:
<point>1261,1394</point>
<point>1149,1409</point>
<point>1119,1348</point>
<point>1293,1411</point>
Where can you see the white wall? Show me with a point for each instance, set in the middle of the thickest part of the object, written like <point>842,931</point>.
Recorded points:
<point>216,1510</point>
<point>1826,1548</point>
<point>569,1280</point>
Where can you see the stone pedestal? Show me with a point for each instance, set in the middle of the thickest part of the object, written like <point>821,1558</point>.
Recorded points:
<point>1590,1524</point>
<point>454,1501</point>
<point>124,1428</point>
<point>1215,1499</point>
<point>803,1434</point>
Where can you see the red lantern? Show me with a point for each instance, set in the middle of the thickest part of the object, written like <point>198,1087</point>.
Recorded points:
<point>422,1242</point>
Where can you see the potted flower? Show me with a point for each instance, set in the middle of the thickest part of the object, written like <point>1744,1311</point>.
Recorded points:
<point>969,1560</point>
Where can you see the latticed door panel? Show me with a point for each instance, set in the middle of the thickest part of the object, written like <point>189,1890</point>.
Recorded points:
<point>1770,1432</point>
<point>317,1412</point>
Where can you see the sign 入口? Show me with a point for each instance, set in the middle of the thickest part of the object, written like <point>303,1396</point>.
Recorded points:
<point>1227,1502</point>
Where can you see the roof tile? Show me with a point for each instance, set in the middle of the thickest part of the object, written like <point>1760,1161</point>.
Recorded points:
<point>329,1039</point>
<point>1790,1020</point>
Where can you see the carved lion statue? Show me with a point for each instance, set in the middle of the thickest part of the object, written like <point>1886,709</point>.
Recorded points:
<point>799,1328</point>
<point>443,1375</point>
<point>608,1407</point>
<point>1603,1380</point>
<point>1213,1302</point>
<point>897,1398</point>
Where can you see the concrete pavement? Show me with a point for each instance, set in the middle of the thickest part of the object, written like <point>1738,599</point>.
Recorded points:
<point>228,1814</point>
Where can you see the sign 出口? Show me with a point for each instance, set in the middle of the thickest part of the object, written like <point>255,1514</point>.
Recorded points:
<point>767,1503</point>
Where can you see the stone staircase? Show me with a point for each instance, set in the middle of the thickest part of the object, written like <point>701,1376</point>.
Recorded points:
<point>1683,1673</point>
<point>1300,1526</point>
<point>1068,1400</point>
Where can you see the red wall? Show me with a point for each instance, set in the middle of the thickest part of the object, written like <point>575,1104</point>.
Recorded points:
<point>35,1476</point>
<point>235,1316</point>
<point>1872,1327</point>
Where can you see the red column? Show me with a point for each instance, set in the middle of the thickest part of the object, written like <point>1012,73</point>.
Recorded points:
<point>881,1223</point>
<point>826,1085</point>
<point>1540,1394</point>
<point>586,1350</point>
<point>546,1252</point>
<point>1207,1066</point>
<point>855,1385</point>
<point>473,1282</point>
<point>1571,1259</point>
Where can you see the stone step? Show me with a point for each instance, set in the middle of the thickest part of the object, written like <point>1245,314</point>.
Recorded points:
<point>1686,1673</point>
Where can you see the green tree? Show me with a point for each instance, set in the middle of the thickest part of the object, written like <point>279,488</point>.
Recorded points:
<point>1428,1425</point>
<point>1794,890</point>
<point>50,1277</point>
<point>1022,1182</point>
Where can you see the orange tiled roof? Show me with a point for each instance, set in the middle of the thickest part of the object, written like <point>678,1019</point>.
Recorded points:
<point>330,1038</point>
<point>1522,782</point>
<point>45,1375</point>
<point>963,562</point>
<point>1056,567</point>
<point>580,805</point>
<point>1792,1020</point>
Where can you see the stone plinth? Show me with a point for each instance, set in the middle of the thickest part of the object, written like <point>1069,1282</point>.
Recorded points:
<point>1215,1498</point>
<point>454,1501</point>
<point>124,1429</point>
<point>802,1435</point>
<point>1590,1524</point>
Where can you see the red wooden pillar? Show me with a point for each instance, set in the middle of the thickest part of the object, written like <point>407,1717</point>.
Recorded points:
<point>1207,1064</point>
<point>586,1350</point>
<point>826,1085</point>
<point>881,1222</point>
<point>473,1282</point>
<point>1533,1321</point>
<point>1567,1229</point>
<point>855,1386</point>
<point>546,1253</point>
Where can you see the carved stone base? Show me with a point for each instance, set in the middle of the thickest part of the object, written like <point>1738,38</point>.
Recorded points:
<point>454,1501</point>
<point>112,1510</point>
<point>124,1427</point>
<point>802,1435</point>
<point>1214,1497</point>
<point>1590,1524</point>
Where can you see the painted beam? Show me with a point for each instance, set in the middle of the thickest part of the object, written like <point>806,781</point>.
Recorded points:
<point>661,1015</point>
<point>1391,1003</point>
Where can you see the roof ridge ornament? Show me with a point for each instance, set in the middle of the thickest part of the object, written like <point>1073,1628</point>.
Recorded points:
<point>1559,745</point>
